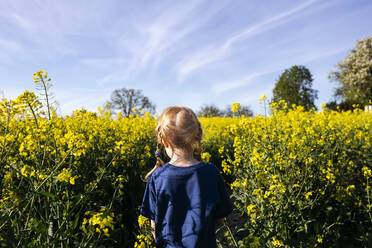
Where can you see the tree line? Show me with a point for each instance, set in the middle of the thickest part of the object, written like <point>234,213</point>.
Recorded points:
<point>353,77</point>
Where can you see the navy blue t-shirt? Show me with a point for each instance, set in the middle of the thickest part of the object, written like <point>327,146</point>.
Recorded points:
<point>185,203</point>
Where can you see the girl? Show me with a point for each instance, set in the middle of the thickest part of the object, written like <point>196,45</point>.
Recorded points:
<point>184,197</point>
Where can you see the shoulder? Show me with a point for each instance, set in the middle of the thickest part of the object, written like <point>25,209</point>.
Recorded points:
<point>209,167</point>
<point>160,171</point>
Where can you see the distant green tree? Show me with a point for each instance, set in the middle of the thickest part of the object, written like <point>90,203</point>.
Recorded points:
<point>210,110</point>
<point>355,74</point>
<point>127,100</point>
<point>294,86</point>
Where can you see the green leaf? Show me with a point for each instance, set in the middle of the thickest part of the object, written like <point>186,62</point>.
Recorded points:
<point>48,194</point>
<point>76,220</point>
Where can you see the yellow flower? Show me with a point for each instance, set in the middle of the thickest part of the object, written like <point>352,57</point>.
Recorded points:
<point>24,171</point>
<point>121,179</point>
<point>277,243</point>
<point>257,192</point>
<point>205,156</point>
<point>7,176</point>
<point>320,239</point>
<point>102,222</point>
<point>308,194</point>
<point>251,208</point>
<point>263,98</point>
<point>349,188</point>
<point>27,171</point>
<point>236,107</point>
<point>65,176</point>
<point>42,176</point>
<point>235,184</point>
<point>309,160</point>
<point>366,172</point>
<point>142,221</point>
<point>106,232</point>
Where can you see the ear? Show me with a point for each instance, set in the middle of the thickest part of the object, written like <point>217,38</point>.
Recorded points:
<point>165,142</point>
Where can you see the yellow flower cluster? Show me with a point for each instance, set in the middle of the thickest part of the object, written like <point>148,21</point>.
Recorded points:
<point>144,241</point>
<point>27,171</point>
<point>277,243</point>
<point>102,221</point>
<point>308,194</point>
<point>65,176</point>
<point>145,238</point>
<point>205,156</point>
<point>238,183</point>
<point>251,208</point>
<point>143,221</point>
<point>297,159</point>
<point>41,76</point>
<point>121,178</point>
<point>7,196</point>
<point>236,107</point>
<point>105,152</point>
<point>367,172</point>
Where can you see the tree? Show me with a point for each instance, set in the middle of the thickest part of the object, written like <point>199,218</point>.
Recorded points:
<point>130,101</point>
<point>355,74</point>
<point>209,111</point>
<point>342,106</point>
<point>212,110</point>
<point>243,110</point>
<point>294,86</point>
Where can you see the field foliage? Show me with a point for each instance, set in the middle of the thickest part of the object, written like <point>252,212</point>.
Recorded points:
<point>298,178</point>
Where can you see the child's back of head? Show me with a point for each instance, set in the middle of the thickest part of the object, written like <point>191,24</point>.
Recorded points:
<point>181,129</point>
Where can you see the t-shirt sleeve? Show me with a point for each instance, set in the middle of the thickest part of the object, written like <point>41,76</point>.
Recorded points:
<point>149,200</point>
<point>224,206</point>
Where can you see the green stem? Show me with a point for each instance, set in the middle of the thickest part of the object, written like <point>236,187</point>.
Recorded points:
<point>113,197</point>
<point>369,202</point>
<point>6,131</point>
<point>46,95</point>
<point>34,115</point>
<point>232,236</point>
<point>88,191</point>
<point>57,167</point>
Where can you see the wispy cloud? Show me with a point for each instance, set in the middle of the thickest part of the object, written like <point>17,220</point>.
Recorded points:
<point>312,56</point>
<point>159,37</point>
<point>103,63</point>
<point>236,83</point>
<point>214,53</point>
<point>301,59</point>
<point>10,45</point>
<point>46,28</point>
<point>11,50</point>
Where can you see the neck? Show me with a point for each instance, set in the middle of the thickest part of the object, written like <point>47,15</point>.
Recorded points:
<point>183,158</point>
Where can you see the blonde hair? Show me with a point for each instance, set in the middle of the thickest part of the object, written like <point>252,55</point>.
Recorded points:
<point>180,127</point>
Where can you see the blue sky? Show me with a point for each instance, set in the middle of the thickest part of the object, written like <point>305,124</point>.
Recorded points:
<point>177,52</point>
